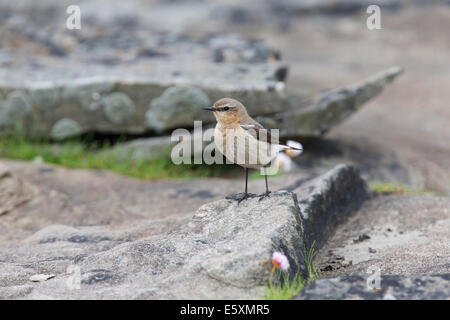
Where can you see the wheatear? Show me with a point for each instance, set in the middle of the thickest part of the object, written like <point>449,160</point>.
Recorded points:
<point>244,141</point>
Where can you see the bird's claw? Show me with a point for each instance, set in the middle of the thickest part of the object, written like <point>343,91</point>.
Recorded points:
<point>239,197</point>
<point>264,195</point>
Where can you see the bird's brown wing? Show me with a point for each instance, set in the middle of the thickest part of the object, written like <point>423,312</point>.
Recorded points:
<point>259,132</point>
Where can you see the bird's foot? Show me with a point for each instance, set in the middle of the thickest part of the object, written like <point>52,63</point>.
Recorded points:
<point>239,197</point>
<point>264,195</point>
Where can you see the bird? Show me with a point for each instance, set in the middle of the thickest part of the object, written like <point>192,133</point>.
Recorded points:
<point>244,141</point>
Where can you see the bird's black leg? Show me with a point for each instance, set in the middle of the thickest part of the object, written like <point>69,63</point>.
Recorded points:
<point>244,195</point>
<point>246,179</point>
<point>265,194</point>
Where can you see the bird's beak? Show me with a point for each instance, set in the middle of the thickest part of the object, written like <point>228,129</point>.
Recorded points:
<point>209,109</point>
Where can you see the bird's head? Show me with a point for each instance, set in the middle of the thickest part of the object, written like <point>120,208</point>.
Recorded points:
<point>228,111</point>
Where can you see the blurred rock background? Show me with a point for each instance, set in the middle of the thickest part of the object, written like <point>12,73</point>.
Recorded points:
<point>107,97</point>
<point>132,67</point>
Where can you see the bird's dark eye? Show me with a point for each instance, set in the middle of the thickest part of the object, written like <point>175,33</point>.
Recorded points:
<point>226,108</point>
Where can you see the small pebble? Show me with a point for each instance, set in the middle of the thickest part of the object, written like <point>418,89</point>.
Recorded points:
<point>41,277</point>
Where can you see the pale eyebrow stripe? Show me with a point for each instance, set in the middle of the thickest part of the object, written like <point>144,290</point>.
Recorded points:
<point>222,109</point>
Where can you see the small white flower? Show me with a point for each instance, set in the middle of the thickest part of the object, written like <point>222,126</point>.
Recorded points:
<point>294,153</point>
<point>280,261</point>
<point>284,162</point>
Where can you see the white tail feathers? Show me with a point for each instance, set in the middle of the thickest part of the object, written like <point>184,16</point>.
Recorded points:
<point>290,148</point>
<point>293,148</point>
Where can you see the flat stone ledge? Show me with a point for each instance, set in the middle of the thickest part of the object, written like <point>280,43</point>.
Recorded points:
<point>218,253</point>
<point>392,287</point>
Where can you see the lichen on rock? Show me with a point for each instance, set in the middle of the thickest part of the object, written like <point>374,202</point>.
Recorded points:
<point>177,106</point>
<point>45,95</point>
<point>65,128</point>
<point>14,108</point>
<point>87,92</point>
<point>118,107</point>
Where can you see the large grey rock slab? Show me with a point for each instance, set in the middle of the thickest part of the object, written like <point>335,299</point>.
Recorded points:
<point>375,164</point>
<point>161,146</point>
<point>120,75</point>
<point>134,104</point>
<point>75,197</point>
<point>395,234</point>
<point>216,253</point>
<point>392,287</point>
<point>336,195</point>
<point>301,118</point>
<point>333,7</point>
<point>315,117</point>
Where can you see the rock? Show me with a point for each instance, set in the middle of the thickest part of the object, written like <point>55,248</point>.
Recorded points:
<point>142,79</point>
<point>13,191</point>
<point>337,195</point>
<point>94,197</point>
<point>160,147</point>
<point>392,287</point>
<point>374,163</point>
<point>14,109</point>
<point>389,233</point>
<point>213,251</point>
<point>45,95</point>
<point>87,93</point>
<point>177,107</point>
<point>117,93</point>
<point>177,104</point>
<point>233,49</point>
<point>333,7</point>
<point>141,149</point>
<point>118,107</point>
<point>65,128</point>
<point>328,109</point>
<point>41,277</point>
<point>218,252</point>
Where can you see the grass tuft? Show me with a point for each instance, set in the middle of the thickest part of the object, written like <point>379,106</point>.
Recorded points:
<point>395,188</point>
<point>79,154</point>
<point>286,288</point>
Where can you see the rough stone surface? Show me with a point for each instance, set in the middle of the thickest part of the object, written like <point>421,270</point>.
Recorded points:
<point>87,93</point>
<point>130,67</point>
<point>409,121</point>
<point>118,107</point>
<point>45,95</point>
<point>392,287</point>
<point>402,137</point>
<point>159,147</point>
<point>330,108</point>
<point>137,72</point>
<point>13,109</point>
<point>142,149</point>
<point>65,128</point>
<point>216,253</point>
<point>334,7</point>
<point>406,127</point>
<point>41,277</point>
<point>338,193</point>
<point>13,190</point>
<point>397,234</point>
<point>176,107</point>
